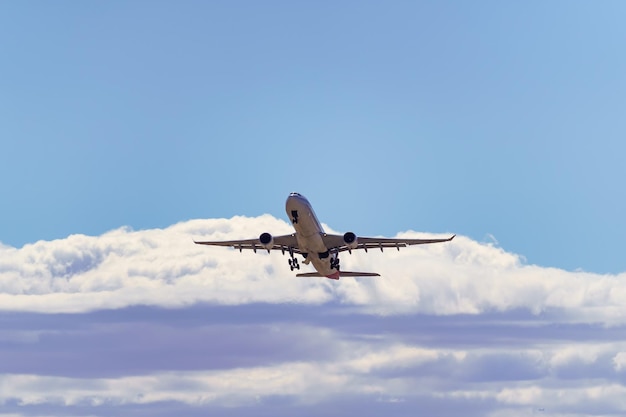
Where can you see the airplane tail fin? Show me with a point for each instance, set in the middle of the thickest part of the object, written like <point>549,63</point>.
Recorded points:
<point>341,274</point>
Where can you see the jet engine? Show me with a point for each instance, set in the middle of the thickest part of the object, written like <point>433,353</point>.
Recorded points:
<point>350,240</point>
<point>267,240</point>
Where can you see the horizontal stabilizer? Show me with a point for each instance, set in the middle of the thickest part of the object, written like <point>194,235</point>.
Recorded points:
<point>341,274</point>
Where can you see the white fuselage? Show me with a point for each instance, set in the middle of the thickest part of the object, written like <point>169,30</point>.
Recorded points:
<point>309,233</point>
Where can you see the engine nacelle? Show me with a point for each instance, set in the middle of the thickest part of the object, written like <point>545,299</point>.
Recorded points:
<point>267,240</point>
<point>350,240</point>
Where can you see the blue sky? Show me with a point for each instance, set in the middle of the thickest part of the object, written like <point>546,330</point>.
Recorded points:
<point>480,119</point>
<point>501,122</point>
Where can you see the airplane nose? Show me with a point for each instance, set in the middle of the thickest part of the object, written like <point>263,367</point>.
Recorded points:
<point>294,198</point>
<point>295,202</point>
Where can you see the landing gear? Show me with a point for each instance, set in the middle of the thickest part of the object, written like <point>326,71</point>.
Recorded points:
<point>334,263</point>
<point>293,264</point>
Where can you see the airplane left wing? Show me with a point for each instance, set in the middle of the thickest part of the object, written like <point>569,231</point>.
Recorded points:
<point>285,243</point>
<point>338,243</point>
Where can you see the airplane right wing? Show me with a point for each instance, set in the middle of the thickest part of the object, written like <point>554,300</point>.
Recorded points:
<point>338,242</point>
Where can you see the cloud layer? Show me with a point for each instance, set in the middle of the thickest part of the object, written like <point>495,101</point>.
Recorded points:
<point>164,268</point>
<point>296,359</point>
<point>146,322</point>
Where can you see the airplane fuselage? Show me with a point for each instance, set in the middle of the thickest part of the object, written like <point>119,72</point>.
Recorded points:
<point>309,234</point>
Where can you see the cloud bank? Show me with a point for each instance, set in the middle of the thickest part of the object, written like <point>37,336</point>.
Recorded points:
<point>163,268</point>
<point>147,323</point>
<point>300,362</point>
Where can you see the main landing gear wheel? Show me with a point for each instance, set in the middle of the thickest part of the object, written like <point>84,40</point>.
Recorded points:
<point>293,264</point>
<point>334,263</point>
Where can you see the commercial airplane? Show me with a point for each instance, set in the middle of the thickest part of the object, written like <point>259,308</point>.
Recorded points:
<point>317,247</point>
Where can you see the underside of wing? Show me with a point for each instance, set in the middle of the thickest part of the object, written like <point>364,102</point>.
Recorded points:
<point>285,243</point>
<point>339,243</point>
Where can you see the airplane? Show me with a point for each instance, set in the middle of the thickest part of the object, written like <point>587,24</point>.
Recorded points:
<point>314,245</point>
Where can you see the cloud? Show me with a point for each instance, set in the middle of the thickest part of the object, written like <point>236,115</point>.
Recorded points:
<point>286,359</point>
<point>620,361</point>
<point>146,321</point>
<point>162,267</point>
<point>390,371</point>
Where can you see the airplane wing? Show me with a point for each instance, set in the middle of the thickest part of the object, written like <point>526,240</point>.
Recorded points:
<point>285,243</point>
<point>337,243</point>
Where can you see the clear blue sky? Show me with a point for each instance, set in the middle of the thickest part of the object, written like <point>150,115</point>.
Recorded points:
<point>478,118</point>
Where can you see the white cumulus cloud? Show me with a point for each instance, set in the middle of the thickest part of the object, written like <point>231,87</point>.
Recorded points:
<point>162,267</point>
